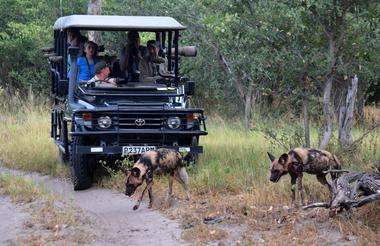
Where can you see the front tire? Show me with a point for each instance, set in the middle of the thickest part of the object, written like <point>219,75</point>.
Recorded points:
<point>80,164</point>
<point>63,157</point>
<point>194,156</point>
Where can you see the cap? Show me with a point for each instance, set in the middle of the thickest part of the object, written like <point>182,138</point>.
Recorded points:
<point>99,66</point>
<point>152,43</point>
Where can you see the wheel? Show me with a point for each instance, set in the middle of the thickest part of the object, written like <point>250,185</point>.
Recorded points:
<point>64,158</point>
<point>194,156</point>
<point>82,171</point>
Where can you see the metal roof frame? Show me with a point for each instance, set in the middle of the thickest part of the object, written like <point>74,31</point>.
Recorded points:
<point>118,23</point>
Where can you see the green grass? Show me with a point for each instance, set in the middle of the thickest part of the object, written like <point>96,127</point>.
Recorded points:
<point>234,159</point>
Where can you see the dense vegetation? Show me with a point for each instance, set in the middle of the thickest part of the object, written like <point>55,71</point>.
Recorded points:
<point>254,55</point>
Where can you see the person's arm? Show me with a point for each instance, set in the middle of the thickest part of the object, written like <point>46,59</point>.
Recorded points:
<point>144,73</point>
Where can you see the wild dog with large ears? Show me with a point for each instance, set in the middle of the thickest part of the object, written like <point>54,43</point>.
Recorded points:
<point>162,160</point>
<point>299,160</point>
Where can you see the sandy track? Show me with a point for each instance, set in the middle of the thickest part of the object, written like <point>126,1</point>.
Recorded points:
<point>12,219</point>
<point>114,221</point>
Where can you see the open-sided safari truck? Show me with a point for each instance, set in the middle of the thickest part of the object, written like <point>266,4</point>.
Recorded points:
<point>90,124</point>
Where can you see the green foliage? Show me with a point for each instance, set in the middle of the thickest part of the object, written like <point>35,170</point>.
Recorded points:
<point>274,45</point>
<point>26,27</point>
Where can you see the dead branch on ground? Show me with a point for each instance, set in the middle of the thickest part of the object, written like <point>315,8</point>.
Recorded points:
<point>352,189</point>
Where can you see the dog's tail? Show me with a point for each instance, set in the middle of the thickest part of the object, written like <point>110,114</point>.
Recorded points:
<point>182,174</point>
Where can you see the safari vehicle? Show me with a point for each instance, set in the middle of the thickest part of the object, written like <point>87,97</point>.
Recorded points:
<point>92,124</point>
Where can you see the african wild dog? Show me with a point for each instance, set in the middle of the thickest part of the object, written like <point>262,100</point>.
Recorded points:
<point>299,160</point>
<point>161,160</point>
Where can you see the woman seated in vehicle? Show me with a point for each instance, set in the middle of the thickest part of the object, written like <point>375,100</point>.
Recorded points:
<point>86,63</point>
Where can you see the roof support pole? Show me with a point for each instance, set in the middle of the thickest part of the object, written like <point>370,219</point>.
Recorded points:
<point>170,38</point>
<point>176,61</point>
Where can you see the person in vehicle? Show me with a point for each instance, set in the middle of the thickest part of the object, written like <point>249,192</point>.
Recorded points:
<point>101,78</point>
<point>152,65</point>
<point>130,57</point>
<point>86,63</point>
<point>74,39</point>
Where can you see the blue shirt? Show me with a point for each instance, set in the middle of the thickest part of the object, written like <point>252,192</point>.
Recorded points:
<point>85,70</point>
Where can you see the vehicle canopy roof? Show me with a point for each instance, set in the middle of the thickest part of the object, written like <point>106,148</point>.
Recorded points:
<point>118,23</point>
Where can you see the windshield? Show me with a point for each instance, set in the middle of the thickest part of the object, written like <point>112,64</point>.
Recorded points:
<point>147,58</point>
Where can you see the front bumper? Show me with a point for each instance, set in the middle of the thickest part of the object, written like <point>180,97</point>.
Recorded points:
<point>118,150</point>
<point>139,131</point>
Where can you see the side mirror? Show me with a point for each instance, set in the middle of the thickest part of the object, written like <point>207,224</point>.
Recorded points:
<point>63,87</point>
<point>190,88</point>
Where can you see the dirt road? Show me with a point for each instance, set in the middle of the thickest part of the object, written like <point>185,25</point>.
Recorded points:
<point>113,220</point>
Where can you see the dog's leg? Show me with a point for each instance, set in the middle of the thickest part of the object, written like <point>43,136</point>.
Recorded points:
<point>142,195</point>
<point>150,193</point>
<point>322,179</point>
<point>293,180</point>
<point>300,189</point>
<point>170,190</point>
<point>182,178</point>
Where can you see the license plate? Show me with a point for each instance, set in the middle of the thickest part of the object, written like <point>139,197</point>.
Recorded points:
<point>137,150</point>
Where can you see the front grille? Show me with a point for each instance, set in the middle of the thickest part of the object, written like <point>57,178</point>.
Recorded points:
<point>140,121</point>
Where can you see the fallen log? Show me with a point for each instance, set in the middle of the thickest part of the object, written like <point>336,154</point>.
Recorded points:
<point>352,189</point>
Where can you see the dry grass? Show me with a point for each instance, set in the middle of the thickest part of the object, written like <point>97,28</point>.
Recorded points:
<point>202,234</point>
<point>52,219</point>
<point>231,180</point>
<point>26,142</point>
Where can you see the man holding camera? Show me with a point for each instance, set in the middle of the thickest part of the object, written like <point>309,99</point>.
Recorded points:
<point>152,66</point>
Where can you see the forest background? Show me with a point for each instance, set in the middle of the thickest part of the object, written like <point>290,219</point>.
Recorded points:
<point>284,60</point>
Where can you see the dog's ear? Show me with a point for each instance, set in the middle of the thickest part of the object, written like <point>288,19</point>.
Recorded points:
<point>271,157</point>
<point>135,172</point>
<point>283,159</point>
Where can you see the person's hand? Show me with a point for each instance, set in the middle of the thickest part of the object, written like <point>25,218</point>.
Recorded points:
<point>112,81</point>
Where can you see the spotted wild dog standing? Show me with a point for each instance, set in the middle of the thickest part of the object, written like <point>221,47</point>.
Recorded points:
<point>161,160</point>
<point>299,160</point>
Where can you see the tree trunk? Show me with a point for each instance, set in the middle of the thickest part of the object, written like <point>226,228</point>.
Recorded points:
<point>327,106</point>
<point>346,114</point>
<point>250,101</point>
<point>94,8</point>
<point>328,114</point>
<point>305,110</point>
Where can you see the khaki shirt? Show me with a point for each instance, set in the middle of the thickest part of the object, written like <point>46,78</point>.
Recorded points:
<point>149,70</point>
<point>100,83</point>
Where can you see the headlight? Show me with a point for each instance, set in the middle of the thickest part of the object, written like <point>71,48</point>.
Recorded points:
<point>104,122</point>
<point>174,122</point>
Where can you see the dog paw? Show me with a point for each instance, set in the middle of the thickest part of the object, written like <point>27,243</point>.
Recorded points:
<point>150,206</point>
<point>135,207</point>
